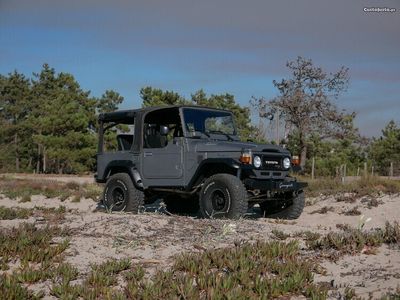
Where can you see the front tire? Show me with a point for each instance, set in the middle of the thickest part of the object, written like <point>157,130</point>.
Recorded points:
<point>223,196</point>
<point>121,195</point>
<point>288,209</point>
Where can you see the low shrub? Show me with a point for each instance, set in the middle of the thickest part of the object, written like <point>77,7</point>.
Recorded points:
<point>260,270</point>
<point>31,244</point>
<point>351,240</point>
<point>14,213</point>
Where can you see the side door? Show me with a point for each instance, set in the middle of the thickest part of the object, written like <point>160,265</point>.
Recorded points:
<point>162,152</point>
<point>163,163</point>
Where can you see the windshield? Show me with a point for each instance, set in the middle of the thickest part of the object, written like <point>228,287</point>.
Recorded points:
<point>208,121</point>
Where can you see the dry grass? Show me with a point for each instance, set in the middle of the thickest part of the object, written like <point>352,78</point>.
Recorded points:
<point>392,295</point>
<point>347,198</point>
<point>307,235</point>
<point>14,213</point>
<point>323,210</point>
<point>372,202</point>
<point>279,234</point>
<point>370,185</point>
<point>351,240</point>
<point>52,215</point>
<point>352,212</point>
<point>24,189</point>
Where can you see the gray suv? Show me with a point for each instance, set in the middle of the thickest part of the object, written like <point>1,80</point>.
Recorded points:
<point>192,158</point>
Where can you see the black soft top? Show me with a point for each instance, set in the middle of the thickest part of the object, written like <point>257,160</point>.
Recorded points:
<point>126,115</point>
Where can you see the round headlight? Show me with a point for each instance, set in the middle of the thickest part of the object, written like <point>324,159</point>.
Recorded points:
<point>286,163</point>
<point>257,161</point>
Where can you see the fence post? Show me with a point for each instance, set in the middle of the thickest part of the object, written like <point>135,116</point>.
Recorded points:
<point>312,168</point>
<point>358,171</point>
<point>344,172</point>
<point>365,169</point>
<point>372,170</point>
<point>391,170</point>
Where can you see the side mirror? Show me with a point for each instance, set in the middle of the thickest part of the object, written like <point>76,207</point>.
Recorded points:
<point>164,130</point>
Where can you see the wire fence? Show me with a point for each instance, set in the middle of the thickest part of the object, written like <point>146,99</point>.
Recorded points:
<point>370,168</point>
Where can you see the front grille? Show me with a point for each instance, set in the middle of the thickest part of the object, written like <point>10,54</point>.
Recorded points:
<point>271,162</point>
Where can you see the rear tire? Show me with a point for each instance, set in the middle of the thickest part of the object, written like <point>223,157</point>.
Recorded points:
<point>289,209</point>
<point>223,196</point>
<point>181,205</point>
<point>121,195</point>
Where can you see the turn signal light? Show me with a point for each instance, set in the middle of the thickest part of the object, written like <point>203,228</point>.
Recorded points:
<point>245,157</point>
<point>295,160</point>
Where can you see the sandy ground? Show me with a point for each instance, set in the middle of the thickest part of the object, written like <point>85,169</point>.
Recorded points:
<point>154,237</point>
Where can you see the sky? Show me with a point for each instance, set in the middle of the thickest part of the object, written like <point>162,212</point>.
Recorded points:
<point>220,46</point>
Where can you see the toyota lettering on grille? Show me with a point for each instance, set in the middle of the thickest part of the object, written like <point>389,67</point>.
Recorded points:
<point>271,162</point>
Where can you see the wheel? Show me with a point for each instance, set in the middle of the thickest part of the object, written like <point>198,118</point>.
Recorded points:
<point>288,209</point>
<point>180,205</point>
<point>223,196</point>
<point>121,195</point>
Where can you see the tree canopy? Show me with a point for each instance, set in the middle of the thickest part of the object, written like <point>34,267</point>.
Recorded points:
<point>386,149</point>
<point>48,123</point>
<point>305,102</point>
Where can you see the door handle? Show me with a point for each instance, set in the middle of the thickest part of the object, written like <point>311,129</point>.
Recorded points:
<point>148,154</point>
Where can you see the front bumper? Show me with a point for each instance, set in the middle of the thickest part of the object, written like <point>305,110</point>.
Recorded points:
<point>288,184</point>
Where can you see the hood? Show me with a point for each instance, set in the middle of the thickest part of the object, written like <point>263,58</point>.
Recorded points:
<point>236,146</point>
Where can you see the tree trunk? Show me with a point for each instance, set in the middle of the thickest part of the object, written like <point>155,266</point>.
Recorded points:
<point>30,163</point>
<point>303,150</point>
<point>44,160</point>
<point>58,166</point>
<point>38,161</point>
<point>16,153</point>
<point>303,156</point>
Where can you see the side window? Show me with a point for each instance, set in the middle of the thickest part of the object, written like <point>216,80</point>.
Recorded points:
<point>118,138</point>
<point>161,127</point>
<point>125,141</point>
<point>153,137</point>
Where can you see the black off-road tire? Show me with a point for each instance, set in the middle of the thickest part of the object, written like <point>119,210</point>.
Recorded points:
<point>121,195</point>
<point>288,209</point>
<point>181,205</point>
<point>223,196</point>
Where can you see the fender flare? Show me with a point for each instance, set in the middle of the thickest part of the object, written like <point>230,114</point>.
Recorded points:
<point>130,168</point>
<point>209,162</point>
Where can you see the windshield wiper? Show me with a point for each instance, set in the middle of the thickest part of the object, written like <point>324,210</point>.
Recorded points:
<point>221,132</point>
<point>198,134</point>
<point>206,134</point>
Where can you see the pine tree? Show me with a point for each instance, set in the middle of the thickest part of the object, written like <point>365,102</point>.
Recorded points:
<point>15,134</point>
<point>62,118</point>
